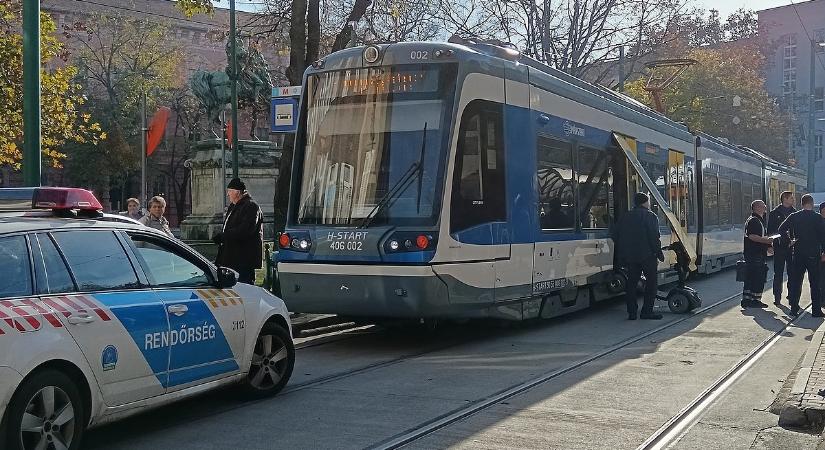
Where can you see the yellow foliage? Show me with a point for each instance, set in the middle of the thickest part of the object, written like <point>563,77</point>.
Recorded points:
<point>61,121</point>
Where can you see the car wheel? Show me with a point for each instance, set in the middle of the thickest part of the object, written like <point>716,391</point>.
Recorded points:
<point>46,412</point>
<point>272,362</point>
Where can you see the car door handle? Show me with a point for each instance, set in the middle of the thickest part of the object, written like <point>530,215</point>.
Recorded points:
<point>177,310</point>
<point>76,319</point>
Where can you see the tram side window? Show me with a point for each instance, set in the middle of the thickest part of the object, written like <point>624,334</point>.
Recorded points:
<point>595,178</point>
<point>747,198</point>
<point>478,184</point>
<point>736,197</point>
<point>710,186</point>
<point>724,201</point>
<point>555,183</point>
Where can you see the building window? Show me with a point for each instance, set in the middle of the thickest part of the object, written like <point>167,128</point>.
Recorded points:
<point>819,99</point>
<point>789,64</point>
<point>818,138</point>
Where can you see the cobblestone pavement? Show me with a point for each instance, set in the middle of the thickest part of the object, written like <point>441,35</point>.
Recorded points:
<point>806,405</point>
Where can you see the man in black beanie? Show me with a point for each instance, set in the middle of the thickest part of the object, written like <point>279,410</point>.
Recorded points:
<point>241,240</point>
<point>637,247</point>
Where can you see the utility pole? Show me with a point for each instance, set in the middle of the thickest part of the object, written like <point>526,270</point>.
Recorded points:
<point>143,131</point>
<point>621,68</point>
<point>811,123</point>
<point>31,93</point>
<point>234,83</point>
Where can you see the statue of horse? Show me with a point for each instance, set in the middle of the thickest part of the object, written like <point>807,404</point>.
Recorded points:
<point>213,89</point>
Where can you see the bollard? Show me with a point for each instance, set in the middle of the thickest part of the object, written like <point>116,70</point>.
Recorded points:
<point>268,269</point>
<point>276,283</point>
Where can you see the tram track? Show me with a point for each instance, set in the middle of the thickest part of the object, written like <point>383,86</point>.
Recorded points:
<point>680,424</point>
<point>424,429</point>
<point>428,427</point>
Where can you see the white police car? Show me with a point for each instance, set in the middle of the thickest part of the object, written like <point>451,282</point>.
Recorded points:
<point>102,319</point>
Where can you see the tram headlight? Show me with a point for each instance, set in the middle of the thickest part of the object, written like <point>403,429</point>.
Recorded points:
<point>422,242</point>
<point>394,245</point>
<point>408,244</point>
<point>371,54</point>
<point>303,244</point>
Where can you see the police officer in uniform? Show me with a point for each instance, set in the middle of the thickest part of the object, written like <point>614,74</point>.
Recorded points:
<point>756,254</point>
<point>637,247</point>
<point>808,230</point>
<point>781,252</point>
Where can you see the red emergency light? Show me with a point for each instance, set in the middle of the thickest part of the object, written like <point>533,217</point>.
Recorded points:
<point>59,198</point>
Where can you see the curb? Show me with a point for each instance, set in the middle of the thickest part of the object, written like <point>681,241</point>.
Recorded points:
<point>800,411</point>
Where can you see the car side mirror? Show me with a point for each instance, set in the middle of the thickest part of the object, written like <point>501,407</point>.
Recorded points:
<point>226,277</point>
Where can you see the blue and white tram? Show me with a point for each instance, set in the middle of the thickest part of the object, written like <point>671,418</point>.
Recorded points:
<point>465,180</point>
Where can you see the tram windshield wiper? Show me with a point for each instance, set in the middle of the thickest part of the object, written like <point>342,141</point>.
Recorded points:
<point>400,186</point>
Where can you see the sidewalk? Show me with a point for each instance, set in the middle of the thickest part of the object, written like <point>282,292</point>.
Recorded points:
<point>805,409</point>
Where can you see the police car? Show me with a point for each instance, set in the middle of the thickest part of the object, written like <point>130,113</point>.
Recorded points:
<point>101,318</point>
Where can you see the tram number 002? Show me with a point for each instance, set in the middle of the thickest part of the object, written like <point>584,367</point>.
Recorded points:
<point>420,55</point>
<point>354,246</point>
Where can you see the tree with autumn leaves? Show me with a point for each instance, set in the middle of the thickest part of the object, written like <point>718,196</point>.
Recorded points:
<point>61,98</point>
<point>724,93</point>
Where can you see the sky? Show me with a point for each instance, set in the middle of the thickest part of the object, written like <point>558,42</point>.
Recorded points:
<point>725,7</point>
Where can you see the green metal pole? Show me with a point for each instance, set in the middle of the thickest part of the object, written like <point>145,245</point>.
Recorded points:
<point>31,92</point>
<point>811,123</point>
<point>234,65</point>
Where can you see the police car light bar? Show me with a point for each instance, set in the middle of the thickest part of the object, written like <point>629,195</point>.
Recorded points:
<point>65,199</point>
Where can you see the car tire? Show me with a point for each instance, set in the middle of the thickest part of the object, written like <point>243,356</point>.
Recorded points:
<point>273,359</point>
<point>47,406</point>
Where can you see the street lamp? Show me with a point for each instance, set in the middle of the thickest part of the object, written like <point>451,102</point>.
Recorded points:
<point>31,93</point>
<point>811,159</point>
<point>234,85</point>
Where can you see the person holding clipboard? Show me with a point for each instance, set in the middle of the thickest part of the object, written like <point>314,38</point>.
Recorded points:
<point>755,250</point>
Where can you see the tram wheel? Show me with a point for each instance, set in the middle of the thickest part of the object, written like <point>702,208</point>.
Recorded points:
<point>678,302</point>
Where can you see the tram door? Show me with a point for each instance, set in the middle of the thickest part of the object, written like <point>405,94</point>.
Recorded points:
<point>677,191</point>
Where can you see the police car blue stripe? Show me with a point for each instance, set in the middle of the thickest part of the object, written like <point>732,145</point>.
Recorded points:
<point>192,346</point>
<point>188,375</point>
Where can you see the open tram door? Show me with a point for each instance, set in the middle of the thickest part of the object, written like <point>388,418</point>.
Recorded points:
<point>682,298</point>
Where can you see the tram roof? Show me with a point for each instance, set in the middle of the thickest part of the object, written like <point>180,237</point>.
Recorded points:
<point>497,56</point>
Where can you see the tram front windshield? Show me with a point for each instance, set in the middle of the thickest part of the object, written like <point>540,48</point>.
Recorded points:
<point>374,145</point>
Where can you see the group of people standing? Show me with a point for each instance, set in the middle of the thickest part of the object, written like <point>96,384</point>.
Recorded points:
<point>240,240</point>
<point>154,218</point>
<point>795,238</point>
<point>797,241</point>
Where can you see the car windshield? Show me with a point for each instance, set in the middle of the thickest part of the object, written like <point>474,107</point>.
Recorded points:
<point>373,136</point>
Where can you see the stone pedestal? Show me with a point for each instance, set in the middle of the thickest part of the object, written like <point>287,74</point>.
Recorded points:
<point>258,168</point>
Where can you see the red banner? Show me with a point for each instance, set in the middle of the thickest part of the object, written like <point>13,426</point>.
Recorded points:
<point>157,127</point>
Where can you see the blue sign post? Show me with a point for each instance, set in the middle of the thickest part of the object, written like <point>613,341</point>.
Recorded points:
<point>284,117</point>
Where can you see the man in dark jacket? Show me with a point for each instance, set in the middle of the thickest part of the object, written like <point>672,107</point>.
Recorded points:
<point>781,252</point>
<point>808,231</point>
<point>240,242</point>
<point>637,248</point>
<point>756,246</point>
